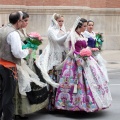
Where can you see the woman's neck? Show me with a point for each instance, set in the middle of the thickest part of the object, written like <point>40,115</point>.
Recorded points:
<point>90,31</point>
<point>78,33</point>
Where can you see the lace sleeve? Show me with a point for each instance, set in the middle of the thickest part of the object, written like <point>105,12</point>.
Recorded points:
<point>59,40</point>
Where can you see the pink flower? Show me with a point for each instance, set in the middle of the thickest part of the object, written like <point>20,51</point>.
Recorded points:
<point>85,52</point>
<point>35,35</point>
<point>94,49</point>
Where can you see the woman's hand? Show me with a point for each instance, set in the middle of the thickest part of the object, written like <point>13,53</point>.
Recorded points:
<point>30,50</point>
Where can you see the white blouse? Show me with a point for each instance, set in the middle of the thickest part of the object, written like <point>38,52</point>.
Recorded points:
<point>88,34</point>
<point>14,40</point>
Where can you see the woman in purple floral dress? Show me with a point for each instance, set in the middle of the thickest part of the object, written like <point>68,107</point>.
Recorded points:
<point>83,85</point>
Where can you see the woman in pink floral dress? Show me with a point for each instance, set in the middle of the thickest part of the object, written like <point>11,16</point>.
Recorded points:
<point>83,85</point>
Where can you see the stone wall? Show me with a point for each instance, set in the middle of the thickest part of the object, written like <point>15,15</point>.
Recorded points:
<point>106,20</point>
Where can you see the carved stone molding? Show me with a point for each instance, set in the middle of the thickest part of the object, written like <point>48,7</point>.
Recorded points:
<point>60,9</point>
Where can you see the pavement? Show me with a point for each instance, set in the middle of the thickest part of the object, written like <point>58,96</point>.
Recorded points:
<point>113,59</point>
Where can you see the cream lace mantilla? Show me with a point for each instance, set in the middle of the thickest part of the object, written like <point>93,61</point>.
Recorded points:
<point>52,54</point>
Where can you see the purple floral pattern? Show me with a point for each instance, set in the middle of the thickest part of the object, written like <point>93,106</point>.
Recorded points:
<point>92,93</point>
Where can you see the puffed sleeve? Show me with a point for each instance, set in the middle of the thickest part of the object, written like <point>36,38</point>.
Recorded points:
<point>14,40</point>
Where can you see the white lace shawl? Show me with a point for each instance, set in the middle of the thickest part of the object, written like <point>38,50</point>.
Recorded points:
<point>88,34</point>
<point>73,37</point>
<point>26,75</point>
<point>52,54</point>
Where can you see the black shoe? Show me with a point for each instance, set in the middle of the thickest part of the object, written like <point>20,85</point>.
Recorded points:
<point>19,117</point>
<point>23,117</point>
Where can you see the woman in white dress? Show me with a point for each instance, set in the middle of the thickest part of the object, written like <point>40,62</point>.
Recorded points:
<point>91,35</point>
<point>53,55</point>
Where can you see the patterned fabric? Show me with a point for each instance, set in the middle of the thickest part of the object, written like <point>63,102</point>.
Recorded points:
<point>52,90</point>
<point>22,106</point>
<point>97,56</point>
<point>83,86</point>
<point>55,76</point>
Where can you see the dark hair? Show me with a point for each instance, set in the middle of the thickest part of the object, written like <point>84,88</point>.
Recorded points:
<point>25,15</point>
<point>90,21</point>
<point>14,17</point>
<point>82,20</point>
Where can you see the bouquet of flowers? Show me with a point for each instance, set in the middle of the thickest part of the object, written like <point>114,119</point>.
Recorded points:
<point>33,41</point>
<point>95,51</point>
<point>85,53</point>
<point>99,40</point>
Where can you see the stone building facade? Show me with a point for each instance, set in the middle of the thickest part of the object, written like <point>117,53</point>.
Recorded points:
<point>88,3</point>
<point>105,14</point>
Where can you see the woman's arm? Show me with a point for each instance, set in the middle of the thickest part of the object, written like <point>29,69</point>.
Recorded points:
<point>54,37</point>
